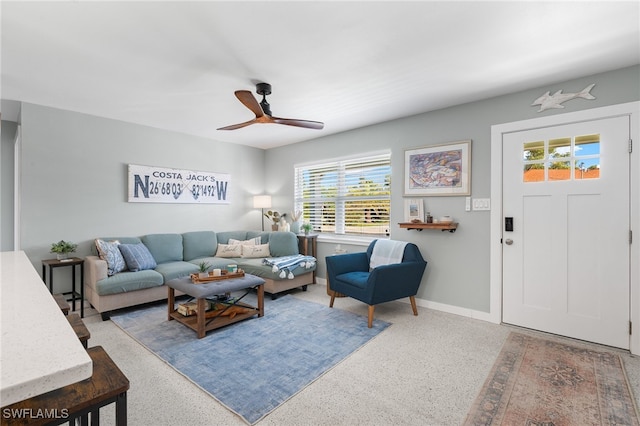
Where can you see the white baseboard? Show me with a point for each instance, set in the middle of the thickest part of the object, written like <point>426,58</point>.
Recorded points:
<point>457,310</point>
<point>451,309</point>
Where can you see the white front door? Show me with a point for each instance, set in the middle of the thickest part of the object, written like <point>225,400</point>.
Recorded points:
<point>566,259</point>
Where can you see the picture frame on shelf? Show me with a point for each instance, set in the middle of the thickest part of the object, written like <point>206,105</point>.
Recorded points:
<point>438,170</point>
<point>413,210</point>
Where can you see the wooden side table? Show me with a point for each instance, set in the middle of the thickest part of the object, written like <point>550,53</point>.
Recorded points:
<point>308,246</point>
<point>75,295</point>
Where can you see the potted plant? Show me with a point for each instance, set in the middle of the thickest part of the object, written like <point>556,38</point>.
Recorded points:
<point>203,267</point>
<point>275,217</point>
<point>307,227</point>
<point>62,249</point>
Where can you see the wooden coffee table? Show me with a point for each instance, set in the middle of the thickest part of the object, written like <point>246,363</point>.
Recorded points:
<point>205,321</point>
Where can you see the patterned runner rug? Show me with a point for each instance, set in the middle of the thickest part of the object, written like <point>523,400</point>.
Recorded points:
<point>255,365</point>
<point>537,381</point>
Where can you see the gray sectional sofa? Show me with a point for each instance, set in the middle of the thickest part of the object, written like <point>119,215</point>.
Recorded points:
<point>178,255</point>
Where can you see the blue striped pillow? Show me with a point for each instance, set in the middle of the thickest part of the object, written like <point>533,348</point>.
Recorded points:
<point>137,256</point>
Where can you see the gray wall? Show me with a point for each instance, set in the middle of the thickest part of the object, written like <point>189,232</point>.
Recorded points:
<point>458,269</point>
<point>74,181</point>
<point>7,143</point>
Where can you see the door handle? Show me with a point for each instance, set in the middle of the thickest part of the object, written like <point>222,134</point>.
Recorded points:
<point>508,241</point>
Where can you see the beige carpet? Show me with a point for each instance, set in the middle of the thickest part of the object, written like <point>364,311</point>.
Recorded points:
<point>537,381</point>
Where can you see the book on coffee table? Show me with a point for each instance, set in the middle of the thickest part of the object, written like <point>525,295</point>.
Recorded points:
<point>187,309</point>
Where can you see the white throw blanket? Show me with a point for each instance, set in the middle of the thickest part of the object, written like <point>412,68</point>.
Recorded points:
<point>286,264</point>
<point>386,252</point>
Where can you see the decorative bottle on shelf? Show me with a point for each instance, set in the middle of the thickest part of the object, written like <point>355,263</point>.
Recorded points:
<point>429,218</point>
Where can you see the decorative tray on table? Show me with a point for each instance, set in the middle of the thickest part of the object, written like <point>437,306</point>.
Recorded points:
<point>225,275</point>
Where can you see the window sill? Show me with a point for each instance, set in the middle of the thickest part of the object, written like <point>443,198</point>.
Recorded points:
<point>347,239</point>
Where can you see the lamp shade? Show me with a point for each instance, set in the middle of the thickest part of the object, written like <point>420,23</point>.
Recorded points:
<point>262,201</point>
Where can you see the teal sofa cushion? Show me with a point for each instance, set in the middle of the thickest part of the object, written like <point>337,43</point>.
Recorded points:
<point>164,247</point>
<point>199,244</point>
<point>283,244</point>
<point>264,235</point>
<point>173,270</point>
<point>125,281</point>
<point>223,237</point>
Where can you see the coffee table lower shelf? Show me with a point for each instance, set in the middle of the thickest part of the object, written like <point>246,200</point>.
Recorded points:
<point>204,321</point>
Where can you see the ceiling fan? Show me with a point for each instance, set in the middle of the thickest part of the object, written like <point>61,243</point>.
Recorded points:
<point>262,111</point>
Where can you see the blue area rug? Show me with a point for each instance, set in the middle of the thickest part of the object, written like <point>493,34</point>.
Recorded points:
<point>255,365</point>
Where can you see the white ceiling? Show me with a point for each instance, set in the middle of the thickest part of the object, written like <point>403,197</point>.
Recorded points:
<point>175,65</point>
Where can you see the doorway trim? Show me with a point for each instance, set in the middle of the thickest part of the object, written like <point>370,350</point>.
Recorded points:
<point>631,109</point>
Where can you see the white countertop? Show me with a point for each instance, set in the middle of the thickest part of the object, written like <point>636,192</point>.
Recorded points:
<point>39,351</point>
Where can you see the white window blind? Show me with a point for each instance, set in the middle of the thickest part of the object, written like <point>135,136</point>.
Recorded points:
<point>351,196</point>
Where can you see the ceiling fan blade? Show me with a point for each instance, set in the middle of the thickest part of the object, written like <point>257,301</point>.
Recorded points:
<point>298,123</point>
<point>263,112</point>
<point>249,101</point>
<point>239,125</point>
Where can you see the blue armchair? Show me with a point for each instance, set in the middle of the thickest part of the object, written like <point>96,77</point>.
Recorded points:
<point>350,275</point>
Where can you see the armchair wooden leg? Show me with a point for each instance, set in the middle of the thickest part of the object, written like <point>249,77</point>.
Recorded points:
<point>370,323</point>
<point>333,297</point>
<point>413,305</point>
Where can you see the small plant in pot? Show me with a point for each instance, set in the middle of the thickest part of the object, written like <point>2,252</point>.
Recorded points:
<point>203,267</point>
<point>62,249</point>
<point>306,228</point>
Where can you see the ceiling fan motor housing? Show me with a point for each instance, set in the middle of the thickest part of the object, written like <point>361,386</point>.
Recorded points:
<point>264,89</point>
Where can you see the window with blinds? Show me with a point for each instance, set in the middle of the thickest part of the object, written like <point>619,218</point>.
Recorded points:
<point>351,196</point>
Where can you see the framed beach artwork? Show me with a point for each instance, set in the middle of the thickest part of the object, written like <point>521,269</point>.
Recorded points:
<point>438,170</point>
<point>413,210</point>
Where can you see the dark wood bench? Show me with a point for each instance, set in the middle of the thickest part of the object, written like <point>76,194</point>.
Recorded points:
<point>62,303</point>
<point>80,329</point>
<point>76,401</point>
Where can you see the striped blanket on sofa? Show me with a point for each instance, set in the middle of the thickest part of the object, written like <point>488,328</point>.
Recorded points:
<point>286,264</point>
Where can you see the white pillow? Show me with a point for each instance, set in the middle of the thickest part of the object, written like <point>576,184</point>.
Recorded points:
<point>261,250</point>
<point>228,250</point>
<point>250,242</point>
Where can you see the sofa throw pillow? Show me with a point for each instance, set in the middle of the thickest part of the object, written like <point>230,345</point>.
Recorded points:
<point>137,256</point>
<point>229,250</point>
<point>109,252</point>
<point>250,242</point>
<point>261,250</point>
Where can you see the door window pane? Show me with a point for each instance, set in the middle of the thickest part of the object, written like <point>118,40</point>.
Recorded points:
<point>587,145</point>
<point>533,173</point>
<point>559,170</point>
<point>560,159</point>
<point>560,148</point>
<point>587,168</point>
<point>533,150</point>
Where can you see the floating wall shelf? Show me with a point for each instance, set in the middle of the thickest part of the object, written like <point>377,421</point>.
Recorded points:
<point>451,227</point>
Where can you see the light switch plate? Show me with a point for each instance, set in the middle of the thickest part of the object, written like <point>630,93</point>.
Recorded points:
<point>481,204</point>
